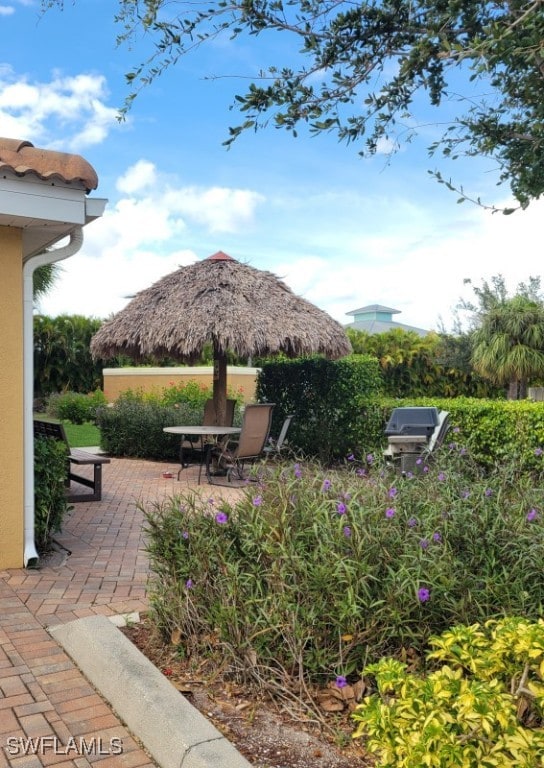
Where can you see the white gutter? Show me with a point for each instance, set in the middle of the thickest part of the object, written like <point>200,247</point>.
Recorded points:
<point>39,260</point>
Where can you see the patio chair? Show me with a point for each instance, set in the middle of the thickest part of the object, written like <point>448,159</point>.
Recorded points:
<point>191,445</point>
<point>274,447</point>
<point>230,458</point>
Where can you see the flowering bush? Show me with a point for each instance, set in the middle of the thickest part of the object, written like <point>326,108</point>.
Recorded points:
<point>314,572</point>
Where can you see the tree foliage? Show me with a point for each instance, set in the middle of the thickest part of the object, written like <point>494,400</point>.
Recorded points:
<point>365,69</point>
<point>508,334</point>
<point>43,279</point>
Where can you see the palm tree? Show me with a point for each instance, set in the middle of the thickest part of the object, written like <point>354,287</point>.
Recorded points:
<point>508,345</point>
<point>44,278</point>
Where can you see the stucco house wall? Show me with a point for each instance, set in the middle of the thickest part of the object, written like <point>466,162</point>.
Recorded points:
<point>11,399</point>
<point>43,201</point>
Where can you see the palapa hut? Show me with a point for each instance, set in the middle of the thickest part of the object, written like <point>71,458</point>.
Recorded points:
<point>232,305</point>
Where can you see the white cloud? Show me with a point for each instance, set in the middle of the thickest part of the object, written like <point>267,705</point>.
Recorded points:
<point>7,10</point>
<point>221,209</point>
<point>66,113</point>
<point>140,176</point>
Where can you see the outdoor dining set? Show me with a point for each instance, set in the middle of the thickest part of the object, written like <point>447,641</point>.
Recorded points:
<point>223,450</point>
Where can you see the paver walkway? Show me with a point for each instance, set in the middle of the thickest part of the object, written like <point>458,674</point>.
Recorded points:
<point>49,714</point>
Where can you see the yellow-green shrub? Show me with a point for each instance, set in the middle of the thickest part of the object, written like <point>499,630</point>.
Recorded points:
<point>481,709</point>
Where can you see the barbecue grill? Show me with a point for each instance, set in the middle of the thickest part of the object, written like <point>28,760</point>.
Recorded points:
<point>413,433</point>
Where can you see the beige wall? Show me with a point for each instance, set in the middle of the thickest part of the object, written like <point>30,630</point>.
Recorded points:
<point>11,399</point>
<point>118,380</point>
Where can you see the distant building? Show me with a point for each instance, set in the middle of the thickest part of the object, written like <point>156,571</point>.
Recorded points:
<point>378,319</point>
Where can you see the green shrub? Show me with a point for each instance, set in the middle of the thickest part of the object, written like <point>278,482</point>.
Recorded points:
<point>315,571</point>
<point>135,428</point>
<point>50,468</point>
<point>481,709</point>
<point>75,407</point>
<point>334,403</point>
<point>190,392</point>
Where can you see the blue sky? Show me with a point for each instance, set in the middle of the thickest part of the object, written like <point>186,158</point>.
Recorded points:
<point>341,231</point>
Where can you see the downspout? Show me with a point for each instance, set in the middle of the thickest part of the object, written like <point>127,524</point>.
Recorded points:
<point>39,260</point>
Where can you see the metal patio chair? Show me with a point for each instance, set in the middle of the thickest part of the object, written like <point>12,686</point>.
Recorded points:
<point>274,447</point>
<point>230,458</point>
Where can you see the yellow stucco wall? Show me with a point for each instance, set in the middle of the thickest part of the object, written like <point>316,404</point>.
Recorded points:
<point>11,399</point>
<point>240,381</point>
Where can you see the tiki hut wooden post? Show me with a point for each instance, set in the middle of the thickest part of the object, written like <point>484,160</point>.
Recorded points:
<point>234,306</point>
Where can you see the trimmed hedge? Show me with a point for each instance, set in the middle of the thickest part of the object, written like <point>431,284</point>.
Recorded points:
<point>334,403</point>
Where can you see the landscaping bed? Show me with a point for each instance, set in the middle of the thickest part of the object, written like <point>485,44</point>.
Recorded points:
<point>267,735</point>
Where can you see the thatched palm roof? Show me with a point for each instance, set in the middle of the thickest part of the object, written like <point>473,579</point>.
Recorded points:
<point>235,306</point>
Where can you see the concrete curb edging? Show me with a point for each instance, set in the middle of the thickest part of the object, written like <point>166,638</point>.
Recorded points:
<point>175,733</point>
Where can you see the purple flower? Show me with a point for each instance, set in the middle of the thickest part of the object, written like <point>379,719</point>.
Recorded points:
<point>341,508</point>
<point>369,458</point>
<point>257,501</point>
<point>539,451</point>
<point>390,512</point>
<point>462,451</point>
<point>361,472</point>
<point>412,522</point>
<point>409,475</point>
<point>341,681</point>
<point>437,536</point>
<point>392,493</point>
<point>424,543</point>
<point>189,584</point>
<point>465,494</point>
<point>185,535</point>
<point>456,429</point>
<point>221,518</point>
<point>441,476</point>
<point>423,594</point>
<point>419,461</point>
<point>425,468</point>
<point>351,457</point>
<point>297,470</point>
<point>326,485</point>
<point>488,492</point>
<point>346,530</point>
<point>532,515</point>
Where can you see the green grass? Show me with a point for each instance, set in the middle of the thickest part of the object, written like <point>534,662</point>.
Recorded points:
<point>79,435</point>
<point>82,435</point>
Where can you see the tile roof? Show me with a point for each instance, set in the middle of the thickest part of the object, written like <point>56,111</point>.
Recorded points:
<point>22,158</point>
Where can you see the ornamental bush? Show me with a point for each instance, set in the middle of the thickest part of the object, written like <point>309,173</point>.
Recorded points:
<point>481,708</point>
<point>135,429</point>
<point>314,571</point>
<point>75,407</point>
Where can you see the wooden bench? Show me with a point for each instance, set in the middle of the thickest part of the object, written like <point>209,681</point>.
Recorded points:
<point>75,456</point>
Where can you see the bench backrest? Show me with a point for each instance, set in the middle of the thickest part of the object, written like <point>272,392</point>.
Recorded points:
<point>50,429</point>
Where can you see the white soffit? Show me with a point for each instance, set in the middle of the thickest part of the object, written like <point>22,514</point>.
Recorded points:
<point>45,212</point>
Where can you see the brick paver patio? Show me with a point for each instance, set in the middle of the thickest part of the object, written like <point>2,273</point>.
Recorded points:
<point>49,714</point>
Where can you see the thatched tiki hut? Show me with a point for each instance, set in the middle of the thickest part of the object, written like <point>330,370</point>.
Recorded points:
<point>232,305</point>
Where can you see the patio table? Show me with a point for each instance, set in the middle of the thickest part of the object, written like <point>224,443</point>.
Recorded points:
<point>203,432</point>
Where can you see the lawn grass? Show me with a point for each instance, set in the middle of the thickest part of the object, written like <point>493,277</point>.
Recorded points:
<point>78,435</point>
<point>82,435</point>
